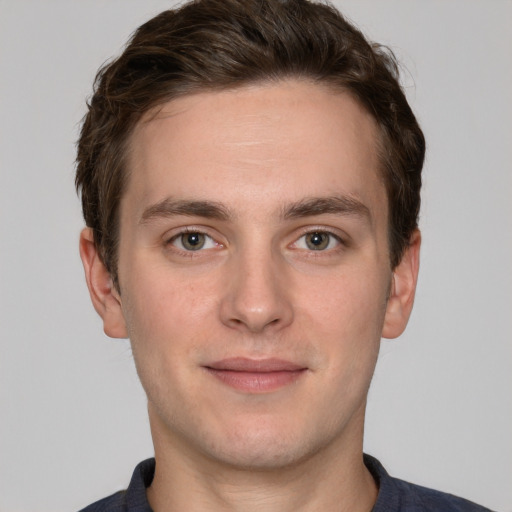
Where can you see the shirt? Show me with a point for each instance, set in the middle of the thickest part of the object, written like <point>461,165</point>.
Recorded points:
<point>394,495</point>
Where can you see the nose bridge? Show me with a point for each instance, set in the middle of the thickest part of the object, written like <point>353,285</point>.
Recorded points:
<point>256,298</point>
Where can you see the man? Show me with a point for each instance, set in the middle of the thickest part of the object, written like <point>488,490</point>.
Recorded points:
<point>250,175</point>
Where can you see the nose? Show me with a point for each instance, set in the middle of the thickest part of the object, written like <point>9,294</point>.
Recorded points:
<point>257,295</point>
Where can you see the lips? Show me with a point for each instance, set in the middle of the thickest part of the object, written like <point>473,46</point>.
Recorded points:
<point>255,376</point>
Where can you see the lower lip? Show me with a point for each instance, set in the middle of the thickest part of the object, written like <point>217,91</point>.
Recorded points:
<point>257,382</point>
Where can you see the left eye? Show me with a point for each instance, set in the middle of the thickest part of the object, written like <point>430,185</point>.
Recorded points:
<point>317,241</point>
<point>193,241</point>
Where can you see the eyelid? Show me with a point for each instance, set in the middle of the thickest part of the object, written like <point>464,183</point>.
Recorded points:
<point>334,233</point>
<point>331,238</point>
<point>342,239</point>
<point>176,233</point>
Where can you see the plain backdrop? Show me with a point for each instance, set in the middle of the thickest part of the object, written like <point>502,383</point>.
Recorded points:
<point>72,413</point>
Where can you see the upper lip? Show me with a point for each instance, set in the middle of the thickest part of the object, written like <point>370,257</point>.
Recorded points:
<point>243,364</point>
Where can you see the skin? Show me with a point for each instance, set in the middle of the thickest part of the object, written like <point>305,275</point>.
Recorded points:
<point>271,158</point>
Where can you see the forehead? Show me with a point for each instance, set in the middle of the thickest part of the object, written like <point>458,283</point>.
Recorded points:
<point>294,139</point>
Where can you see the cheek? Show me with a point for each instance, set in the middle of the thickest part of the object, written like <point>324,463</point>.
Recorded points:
<point>165,330</point>
<point>157,297</point>
<point>352,306</point>
<point>164,315</point>
<point>349,316</point>
<point>345,323</point>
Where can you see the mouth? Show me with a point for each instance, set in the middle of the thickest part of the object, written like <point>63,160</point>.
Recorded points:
<point>255,376</point>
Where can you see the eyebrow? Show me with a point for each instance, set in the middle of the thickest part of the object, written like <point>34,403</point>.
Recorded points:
<point>171,207</point>
<point>338,205</point>
<point>308,207</point>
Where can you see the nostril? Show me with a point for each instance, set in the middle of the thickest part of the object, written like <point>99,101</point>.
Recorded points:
<point>255,302</point>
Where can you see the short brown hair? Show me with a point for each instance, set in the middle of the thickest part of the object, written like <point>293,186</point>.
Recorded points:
<point>220,44</point>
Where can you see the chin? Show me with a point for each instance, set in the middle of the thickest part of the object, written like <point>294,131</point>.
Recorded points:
<point>262,446</point>
<point>260,454</point>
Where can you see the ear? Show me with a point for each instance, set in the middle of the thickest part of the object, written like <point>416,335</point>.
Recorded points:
<point>403,288</point>
<point>105,298</point>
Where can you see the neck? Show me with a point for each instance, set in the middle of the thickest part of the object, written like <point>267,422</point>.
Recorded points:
<point>333,478</point>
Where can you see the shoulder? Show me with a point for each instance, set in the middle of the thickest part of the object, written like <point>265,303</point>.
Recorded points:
<point>417,498</point>
<point>396,495</point>
<point>134,498</point>
<point>114,503</point>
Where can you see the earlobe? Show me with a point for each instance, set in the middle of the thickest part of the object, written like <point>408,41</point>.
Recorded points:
<point>104,296</point>
<point>403,289</point>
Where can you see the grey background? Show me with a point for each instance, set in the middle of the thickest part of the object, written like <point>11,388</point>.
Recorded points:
<point>72,414</point>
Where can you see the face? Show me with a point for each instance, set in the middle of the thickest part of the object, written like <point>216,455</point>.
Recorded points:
<point>254,272</point>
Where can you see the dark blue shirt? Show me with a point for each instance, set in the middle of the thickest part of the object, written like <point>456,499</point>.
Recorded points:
<point>394,495</point>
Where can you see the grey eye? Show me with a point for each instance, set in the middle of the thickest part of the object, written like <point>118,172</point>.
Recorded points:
<point>193,241</point>
<point>317,241</point>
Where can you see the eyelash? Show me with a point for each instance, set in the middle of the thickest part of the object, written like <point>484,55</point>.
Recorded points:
<point>191,231</point>
<point>213,244</point>
<point>332,237</point>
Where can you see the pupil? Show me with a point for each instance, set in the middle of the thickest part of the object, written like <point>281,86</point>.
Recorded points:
<point>193,241</point>
<point>317,241</point>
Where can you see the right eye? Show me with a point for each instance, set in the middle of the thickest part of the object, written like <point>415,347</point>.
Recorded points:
<point>193,241</point>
